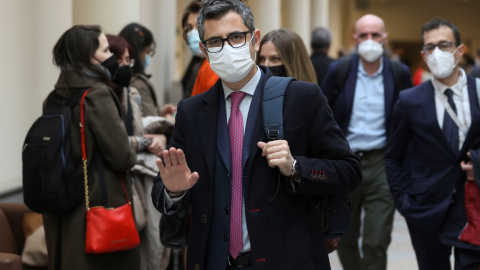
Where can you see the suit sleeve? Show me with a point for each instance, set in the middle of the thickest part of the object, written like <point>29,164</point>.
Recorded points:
<point>177,141</point>
<point>396,153</point>
<point>327,152</point>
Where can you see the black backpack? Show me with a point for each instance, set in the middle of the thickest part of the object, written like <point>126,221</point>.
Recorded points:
<point>51,182</point>
<point>336,209</point>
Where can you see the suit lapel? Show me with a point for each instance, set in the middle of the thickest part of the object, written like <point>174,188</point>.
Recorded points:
<point>208,126</point>
<point>431,115</point>
<point>251,135</point>
<point>223,139</point>
<point>388,86</point>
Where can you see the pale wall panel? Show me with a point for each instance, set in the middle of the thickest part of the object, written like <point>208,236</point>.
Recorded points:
<point>29,31</point>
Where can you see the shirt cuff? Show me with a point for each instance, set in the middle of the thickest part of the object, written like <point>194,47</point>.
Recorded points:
<point>171,204</point>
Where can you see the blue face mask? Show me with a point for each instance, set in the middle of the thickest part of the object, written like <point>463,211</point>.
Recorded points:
<point>148,59</point>
<point>193,43</point>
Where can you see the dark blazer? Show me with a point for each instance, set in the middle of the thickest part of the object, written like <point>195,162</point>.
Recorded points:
<point>283,225</point>
<point>433,195</point>
<point>342,109</point>
<point>320,61</point>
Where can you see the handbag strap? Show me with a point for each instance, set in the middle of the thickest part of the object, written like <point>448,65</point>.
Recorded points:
<point>84,155</point>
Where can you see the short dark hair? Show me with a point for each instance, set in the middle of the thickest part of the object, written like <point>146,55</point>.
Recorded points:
<point>321,38</point>
<point>117,45</point>
<point>193,7</point>
<point>216,9</point>
<point>437,23</point>
<point>76,46</point>
<point>139,38</point>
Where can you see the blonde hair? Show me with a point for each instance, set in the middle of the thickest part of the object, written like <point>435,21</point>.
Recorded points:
<point>293,52</point>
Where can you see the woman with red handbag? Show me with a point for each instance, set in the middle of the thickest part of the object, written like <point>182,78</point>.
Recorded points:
<point>83,56</point>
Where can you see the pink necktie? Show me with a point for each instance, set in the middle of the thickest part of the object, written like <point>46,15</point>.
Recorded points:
<point>235,130</point>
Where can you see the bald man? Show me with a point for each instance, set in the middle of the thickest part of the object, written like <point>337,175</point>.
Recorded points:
<point>363,108</point>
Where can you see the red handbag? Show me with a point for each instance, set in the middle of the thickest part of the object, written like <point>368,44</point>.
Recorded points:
<point>108,230</point>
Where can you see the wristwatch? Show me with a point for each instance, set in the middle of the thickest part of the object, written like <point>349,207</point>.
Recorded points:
<point>295,170</point>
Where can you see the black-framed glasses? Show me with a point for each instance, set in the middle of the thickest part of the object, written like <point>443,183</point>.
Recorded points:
<point>236,40</point>
<point>442,45</point>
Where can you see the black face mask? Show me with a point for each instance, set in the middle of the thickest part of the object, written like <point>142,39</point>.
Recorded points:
<point>119,75</point>
<point>122,76</point>
<point>279,71</point>
<point>110,66</point>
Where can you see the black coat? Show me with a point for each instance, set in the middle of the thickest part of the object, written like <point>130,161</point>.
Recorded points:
<point>285,233</point>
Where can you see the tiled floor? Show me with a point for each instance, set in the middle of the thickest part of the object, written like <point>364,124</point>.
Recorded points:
<point>400,253</point>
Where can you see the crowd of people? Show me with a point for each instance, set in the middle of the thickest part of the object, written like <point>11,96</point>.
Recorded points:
<point>391,140</point>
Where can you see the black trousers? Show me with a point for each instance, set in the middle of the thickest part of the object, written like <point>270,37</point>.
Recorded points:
<point>433,255</point>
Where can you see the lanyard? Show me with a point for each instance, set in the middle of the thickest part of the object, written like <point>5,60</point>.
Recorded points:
<point>461,126</point>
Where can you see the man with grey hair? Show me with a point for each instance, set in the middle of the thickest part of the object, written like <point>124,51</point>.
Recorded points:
<point>255,203</point>
<point>320,43</point>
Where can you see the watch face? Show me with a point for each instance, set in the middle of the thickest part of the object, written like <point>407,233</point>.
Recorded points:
<point>294,167</point>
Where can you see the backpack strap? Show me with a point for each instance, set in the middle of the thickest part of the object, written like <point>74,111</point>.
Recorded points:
<point>341,74</point>
<point>272,106</point>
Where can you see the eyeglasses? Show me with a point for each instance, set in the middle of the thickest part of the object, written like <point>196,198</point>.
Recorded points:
<point>236,40</point>
<point>442,45</point>
<point>151,52</point>
<point>132,62</point>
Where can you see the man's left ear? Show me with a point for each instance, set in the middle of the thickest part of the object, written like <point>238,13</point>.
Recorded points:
<point>256,38</point>
<point>460,50</point>
<point>385,39</point>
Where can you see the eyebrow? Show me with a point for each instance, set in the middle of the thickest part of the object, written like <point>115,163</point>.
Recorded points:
<point>234,32</point>
<point>443,40</point>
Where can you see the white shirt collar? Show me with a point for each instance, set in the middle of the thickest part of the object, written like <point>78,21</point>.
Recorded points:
<point>248,88</point>
<point>456,88</point>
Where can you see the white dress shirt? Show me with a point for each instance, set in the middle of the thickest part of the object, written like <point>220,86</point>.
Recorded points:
<point>366,130</point>
<point>461,100</point>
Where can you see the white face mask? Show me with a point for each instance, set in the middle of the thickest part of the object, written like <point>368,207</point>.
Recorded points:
<point>370,50</point>
<point>232,64</point>
<point>441,63</point>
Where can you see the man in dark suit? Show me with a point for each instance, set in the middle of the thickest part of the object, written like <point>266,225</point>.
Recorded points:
<point>363,109</point>
<point>320,43</point>
<point>439,120</point>
<point>255,204</point>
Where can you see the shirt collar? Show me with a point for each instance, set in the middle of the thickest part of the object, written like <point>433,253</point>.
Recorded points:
<point>362,71</point>
<point>456,88</point>
<point>248,88</point>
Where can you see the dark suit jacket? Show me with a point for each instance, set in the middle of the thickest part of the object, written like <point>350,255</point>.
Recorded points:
<point>342,109</point>
<point>433,195</point>
<point>320,61</point>
<point>283,225</point>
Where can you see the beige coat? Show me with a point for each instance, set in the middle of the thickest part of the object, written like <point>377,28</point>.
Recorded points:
<point>105,134</point>
<point>147,92</point>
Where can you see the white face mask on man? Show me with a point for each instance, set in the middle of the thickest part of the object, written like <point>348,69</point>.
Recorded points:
<point>232,64</point>
<point>441,63</point>
<point>370,50</point>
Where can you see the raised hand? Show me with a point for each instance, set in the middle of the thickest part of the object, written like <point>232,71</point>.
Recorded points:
<point>176,175</point>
